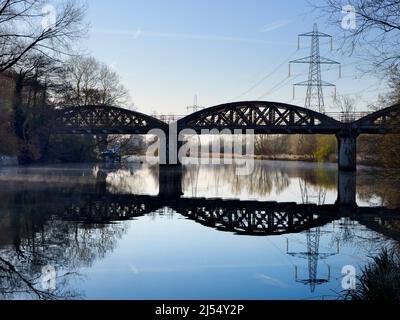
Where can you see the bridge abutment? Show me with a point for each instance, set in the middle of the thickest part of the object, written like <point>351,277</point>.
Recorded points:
<point>347,151</point>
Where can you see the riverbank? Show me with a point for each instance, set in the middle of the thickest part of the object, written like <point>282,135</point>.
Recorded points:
<point>304,158</point>
<point>307,158</point>
<point>287,157</point>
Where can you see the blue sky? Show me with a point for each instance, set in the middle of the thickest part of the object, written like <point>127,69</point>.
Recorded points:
<point>166,51</point>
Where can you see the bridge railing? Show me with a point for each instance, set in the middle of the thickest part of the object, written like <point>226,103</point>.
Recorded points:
<point>171,118</point>
<point>347,117</point>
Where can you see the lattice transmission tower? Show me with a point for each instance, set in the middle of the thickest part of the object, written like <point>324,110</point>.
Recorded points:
<point>315,96</point>
<point>195,107</point>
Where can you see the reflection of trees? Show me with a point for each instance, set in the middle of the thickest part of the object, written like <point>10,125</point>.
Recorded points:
<point>86,178</point>
<point>350,233</point>
<point>319,177</point>
<point>34,238</point>
<point>261,182</point>
<point>378,185</point>
<point>133,181</point>
<point>266,177</point>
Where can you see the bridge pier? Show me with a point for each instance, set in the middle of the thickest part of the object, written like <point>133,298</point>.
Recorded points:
<point>347,195</point>
<point>347,151</point>
<point>172,147</point>
<point>170,181</point>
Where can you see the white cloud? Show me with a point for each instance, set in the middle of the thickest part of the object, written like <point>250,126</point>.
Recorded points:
<point>137,34</point>
<point>276,25</point>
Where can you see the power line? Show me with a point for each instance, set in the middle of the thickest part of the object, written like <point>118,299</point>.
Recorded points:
<point>285,81</point>
<point>258,83</point>
<point>281,84</point>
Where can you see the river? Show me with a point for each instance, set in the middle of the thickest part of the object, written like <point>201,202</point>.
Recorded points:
<point>104,232</point>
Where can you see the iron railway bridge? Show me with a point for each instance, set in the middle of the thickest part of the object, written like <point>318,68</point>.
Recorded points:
<point>260,116</point>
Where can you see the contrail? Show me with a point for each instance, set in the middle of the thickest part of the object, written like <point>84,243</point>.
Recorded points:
<point>138,33</point>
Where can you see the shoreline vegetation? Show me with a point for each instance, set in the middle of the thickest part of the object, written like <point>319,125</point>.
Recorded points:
<point>304,158</point>
<point>379,280</point>
<point>278,157</point>
<point>307,158</point>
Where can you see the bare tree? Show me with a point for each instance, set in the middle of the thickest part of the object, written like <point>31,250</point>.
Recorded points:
<point>375,33</point>
<point>85,81</point>
<point>110,88</point>
<point>32,26</point>
<point>394,87</point>
<point>347,107</point>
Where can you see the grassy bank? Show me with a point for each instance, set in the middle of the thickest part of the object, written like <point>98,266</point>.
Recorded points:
<point>380,280</point>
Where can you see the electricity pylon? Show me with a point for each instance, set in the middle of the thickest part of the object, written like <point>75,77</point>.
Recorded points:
<point>195,107</point>
<point>314,84</point>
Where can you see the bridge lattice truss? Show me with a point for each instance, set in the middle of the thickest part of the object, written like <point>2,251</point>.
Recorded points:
<point>383,121</point>
<point>249,218</point>
<point>262,117</point>
<point>254,222</point>
<point>240,217</point>
<point>103,120</point>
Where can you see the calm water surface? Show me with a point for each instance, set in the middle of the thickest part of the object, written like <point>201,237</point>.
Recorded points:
<point>109,235</point>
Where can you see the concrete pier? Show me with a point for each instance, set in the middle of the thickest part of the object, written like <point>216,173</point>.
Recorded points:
<point>347,151</point>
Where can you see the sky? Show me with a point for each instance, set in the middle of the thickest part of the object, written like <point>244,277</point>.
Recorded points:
<point>166,51</point>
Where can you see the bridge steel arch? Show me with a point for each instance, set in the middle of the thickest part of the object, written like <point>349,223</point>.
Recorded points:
<point>262,117</point>
<point>381,122</point>
<point>278,118</point>
<point>265,117</point>
<point>102,119</point>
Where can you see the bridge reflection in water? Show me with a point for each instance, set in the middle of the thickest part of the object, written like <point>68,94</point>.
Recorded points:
<point>50,225</point>
<point>241,217</point>
<point>104,204</point>
<point>255,218</point>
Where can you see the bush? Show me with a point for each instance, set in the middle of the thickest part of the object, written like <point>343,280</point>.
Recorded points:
<point>380,280</point>
<point>326,146</point>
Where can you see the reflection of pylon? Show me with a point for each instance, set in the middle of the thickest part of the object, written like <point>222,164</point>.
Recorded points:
<point>311,195</point>
<point>313,240</point>
<point>313,256</point>
<point>314,84</point>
